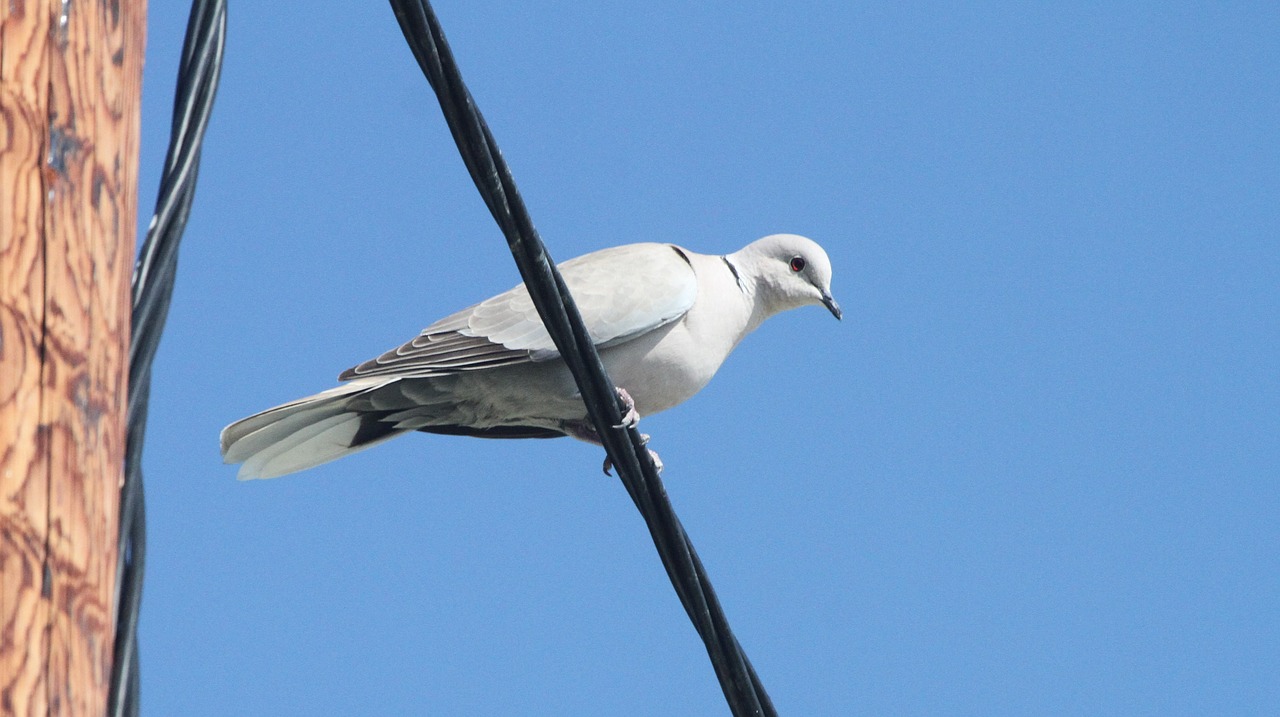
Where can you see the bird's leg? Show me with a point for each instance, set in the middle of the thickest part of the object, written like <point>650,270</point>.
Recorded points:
<point>586,431</point>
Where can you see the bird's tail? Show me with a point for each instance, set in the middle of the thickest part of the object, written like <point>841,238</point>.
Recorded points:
<point>304,433</point>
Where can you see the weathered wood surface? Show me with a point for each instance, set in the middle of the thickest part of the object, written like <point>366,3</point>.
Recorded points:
<point>70,82</point>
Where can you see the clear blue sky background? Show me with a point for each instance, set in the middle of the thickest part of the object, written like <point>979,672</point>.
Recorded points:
<point>1033,472</point>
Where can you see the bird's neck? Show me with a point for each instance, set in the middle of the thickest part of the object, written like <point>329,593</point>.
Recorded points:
<point>755,294</point>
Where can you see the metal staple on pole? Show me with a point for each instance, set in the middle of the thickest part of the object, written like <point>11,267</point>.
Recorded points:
<point>742,687</point>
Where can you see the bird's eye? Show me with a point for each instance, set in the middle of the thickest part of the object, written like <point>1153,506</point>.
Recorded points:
<point>797,263</point>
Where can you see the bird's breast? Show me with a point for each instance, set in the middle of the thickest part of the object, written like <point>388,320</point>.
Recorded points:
<point>660,370</point>
<point>667,366</point>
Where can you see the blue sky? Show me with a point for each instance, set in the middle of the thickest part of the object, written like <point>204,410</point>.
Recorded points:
<point>1033,471</point>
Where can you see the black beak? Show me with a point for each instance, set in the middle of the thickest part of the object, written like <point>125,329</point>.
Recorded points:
<point>832,306</point>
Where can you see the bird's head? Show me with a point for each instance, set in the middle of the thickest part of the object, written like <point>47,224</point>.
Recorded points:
<point>789,271</point>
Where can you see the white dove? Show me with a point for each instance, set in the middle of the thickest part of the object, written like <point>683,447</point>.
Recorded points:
<point>663,318</point>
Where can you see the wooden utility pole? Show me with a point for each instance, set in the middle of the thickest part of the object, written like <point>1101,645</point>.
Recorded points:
<point>70,83</point>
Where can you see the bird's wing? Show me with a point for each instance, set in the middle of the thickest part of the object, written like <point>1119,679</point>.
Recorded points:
<point>622,293</point>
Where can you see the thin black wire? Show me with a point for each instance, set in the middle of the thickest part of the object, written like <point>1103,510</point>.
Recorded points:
<point>742,687</point>
<point>153,280</point>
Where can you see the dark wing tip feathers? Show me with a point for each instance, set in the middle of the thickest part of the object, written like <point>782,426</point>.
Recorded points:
<point>372,428</point>
<point>495,431</point>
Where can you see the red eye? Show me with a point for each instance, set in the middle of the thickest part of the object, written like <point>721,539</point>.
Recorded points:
<point>797,263</point>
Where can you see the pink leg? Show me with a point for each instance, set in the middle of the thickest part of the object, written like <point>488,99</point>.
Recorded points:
<point>585,431</point>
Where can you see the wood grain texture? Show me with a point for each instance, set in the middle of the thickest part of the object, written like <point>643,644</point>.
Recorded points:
<point>70,81</point>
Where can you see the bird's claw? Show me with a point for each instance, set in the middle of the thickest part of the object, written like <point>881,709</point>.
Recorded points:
<point>631,417</point>
<point>653,455</point>
<point>657,462</point>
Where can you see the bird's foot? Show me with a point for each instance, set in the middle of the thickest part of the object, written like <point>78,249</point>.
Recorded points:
<point>653,456</point>
<point>585,431</point>
<point>631,417</point>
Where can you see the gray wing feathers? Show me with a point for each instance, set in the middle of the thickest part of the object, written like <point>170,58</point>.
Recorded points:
<point>621,292</point>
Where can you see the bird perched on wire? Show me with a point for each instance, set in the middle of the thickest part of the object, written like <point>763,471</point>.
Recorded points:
<point>663,318</point>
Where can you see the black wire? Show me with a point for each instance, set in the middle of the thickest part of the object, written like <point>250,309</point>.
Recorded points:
<point>153,279</point>
<point>742,687</point>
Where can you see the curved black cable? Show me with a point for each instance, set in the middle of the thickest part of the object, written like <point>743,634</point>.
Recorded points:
<point>742,687</point>
<point>153,279</point>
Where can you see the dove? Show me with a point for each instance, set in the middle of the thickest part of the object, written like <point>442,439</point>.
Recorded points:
<point>662,317</point>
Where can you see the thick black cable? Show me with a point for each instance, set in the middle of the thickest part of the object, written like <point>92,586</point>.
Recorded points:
<point>153,280</point>
<point>742,687</point>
